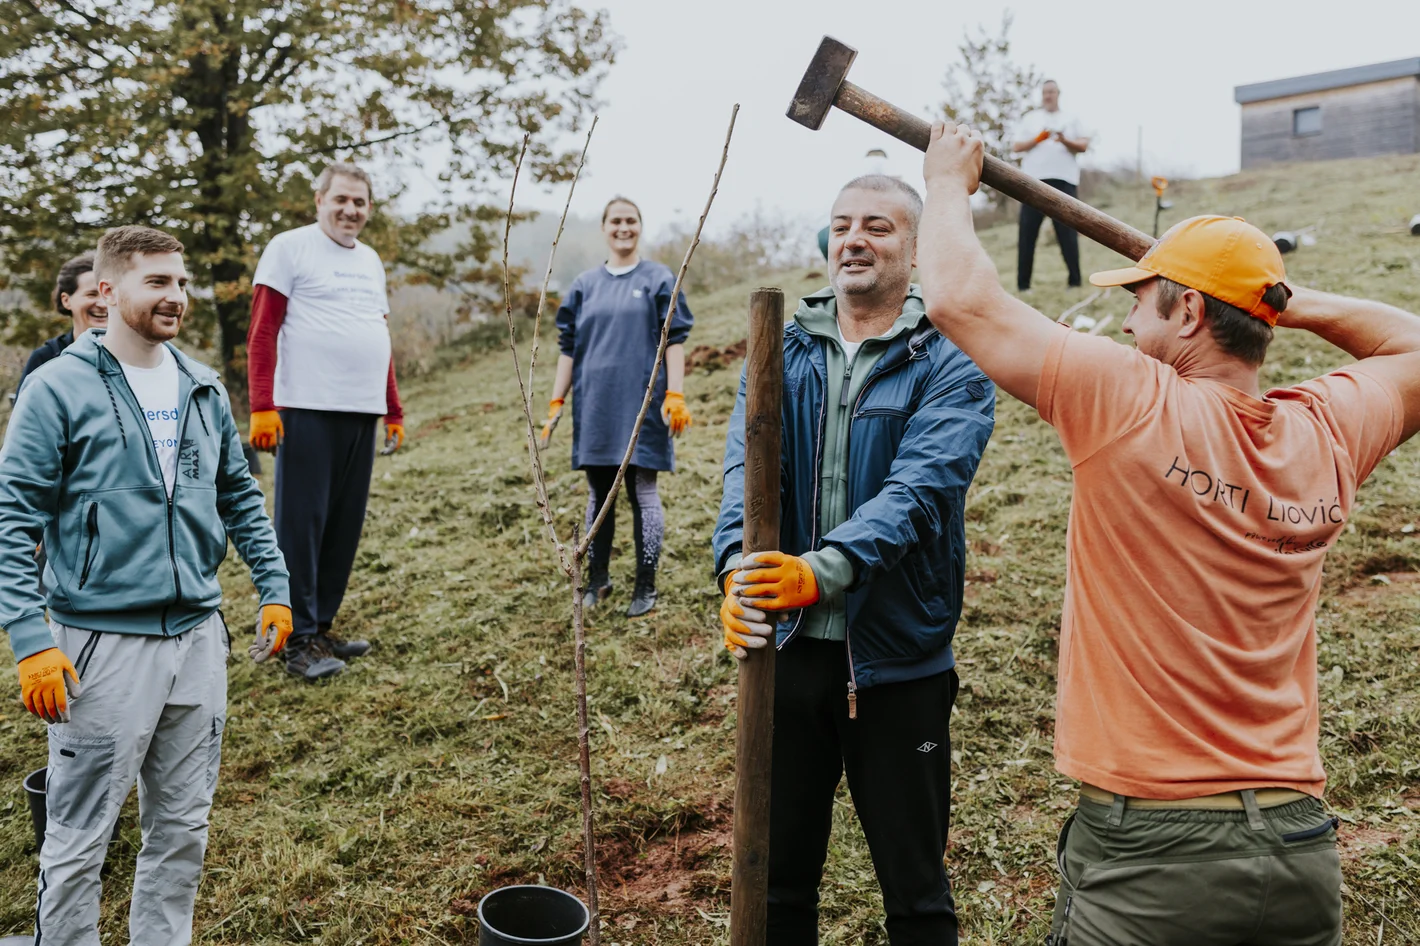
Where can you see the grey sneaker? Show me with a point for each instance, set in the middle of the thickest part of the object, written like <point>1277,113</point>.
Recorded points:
<point>307,658</point>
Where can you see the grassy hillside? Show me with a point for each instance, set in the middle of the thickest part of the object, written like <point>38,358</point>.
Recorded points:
<point>379,808</point>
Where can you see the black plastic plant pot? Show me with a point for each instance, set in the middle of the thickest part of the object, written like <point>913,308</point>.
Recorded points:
<point>34,791</point>
<point>527,914</point>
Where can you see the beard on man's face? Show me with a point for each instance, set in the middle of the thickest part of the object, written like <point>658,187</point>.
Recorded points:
<point>147,324</point>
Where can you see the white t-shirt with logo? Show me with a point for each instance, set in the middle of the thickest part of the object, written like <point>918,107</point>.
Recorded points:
<point>333,351</point>
<point>1050,160</point>
<point>157,392</point>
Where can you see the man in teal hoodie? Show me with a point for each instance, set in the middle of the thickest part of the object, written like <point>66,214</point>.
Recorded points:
<point>123,456</point>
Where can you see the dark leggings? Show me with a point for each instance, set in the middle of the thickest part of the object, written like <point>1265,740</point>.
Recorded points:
<point>647,516</point>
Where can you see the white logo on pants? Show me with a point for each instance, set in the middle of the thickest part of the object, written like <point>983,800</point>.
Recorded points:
<point>927,747</point>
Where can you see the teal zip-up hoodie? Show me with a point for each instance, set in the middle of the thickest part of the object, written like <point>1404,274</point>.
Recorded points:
<point>78,468</point>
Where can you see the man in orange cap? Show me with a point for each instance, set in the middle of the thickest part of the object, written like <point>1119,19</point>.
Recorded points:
<point>1187,703</point>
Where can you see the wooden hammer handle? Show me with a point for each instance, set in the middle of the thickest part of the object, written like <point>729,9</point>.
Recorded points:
<point>1006,178</point>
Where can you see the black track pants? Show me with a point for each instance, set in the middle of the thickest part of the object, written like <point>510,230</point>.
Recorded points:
<point>647,516</point>
<point>323,469</point>
<point>897,754</point>
<point>1030,229</point>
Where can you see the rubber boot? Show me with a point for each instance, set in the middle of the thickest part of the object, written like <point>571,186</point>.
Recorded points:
<point>643,597</point>
<point>598,585</point>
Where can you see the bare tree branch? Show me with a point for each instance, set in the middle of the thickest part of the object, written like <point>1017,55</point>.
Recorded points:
<point>542,296</point>
<point>584,750</point>
<point>539,482</point>
<point>611,495</point>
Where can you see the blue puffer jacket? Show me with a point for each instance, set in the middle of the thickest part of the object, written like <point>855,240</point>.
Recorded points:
<point>919,428</point>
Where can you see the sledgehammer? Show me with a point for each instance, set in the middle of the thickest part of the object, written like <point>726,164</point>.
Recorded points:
<point>825,85</point>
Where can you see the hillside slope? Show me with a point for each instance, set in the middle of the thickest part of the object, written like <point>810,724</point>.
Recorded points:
<point>377,809</point>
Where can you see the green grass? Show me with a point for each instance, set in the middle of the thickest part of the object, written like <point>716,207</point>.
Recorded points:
<point>377,809</point>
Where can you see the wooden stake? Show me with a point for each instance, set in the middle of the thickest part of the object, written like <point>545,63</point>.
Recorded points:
<point>754,729</point>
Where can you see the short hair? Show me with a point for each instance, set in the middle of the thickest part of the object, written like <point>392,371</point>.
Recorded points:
<point>118,246</point>
<point>343,169</point>
<point>1050,82</point>
<point>67,282</point>
<point>1238,333</point>
<point>619,200</point>
<point>887,184</point>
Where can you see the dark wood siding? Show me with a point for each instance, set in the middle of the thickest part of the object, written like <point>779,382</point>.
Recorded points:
<point>1360,121</point>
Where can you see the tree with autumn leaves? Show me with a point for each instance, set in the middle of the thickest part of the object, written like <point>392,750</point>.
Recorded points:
<point>211,118</point>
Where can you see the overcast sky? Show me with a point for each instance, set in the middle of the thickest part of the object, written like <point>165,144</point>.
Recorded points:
<point>1169,68</point>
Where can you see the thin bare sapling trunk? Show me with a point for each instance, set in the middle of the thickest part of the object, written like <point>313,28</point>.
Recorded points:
<point>571,560</point>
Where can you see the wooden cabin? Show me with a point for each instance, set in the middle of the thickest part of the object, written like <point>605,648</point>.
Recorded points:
<point>1348,113</point>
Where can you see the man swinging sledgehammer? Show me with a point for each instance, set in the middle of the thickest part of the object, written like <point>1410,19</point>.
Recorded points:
<point>1203,509</point>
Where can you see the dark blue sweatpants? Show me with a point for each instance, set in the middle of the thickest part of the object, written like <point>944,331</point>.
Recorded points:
<point>323,469</point>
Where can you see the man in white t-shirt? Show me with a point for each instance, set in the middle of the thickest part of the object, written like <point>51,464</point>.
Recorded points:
<point>1050,141</point>
<point>320,377</point>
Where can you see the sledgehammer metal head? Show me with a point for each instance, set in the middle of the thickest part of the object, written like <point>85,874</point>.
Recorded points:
<point>825,85</point>
<point>821,82</point>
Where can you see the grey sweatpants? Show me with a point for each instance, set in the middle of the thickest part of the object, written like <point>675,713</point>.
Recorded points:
<point>151,709</point>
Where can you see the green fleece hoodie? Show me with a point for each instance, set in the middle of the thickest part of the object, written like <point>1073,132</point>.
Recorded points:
<point>78,468</point>
<point>818,315</point>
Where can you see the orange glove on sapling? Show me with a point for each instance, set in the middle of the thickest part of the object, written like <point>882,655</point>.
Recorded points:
<point>775,582</point>
<point>745,628</point>
<point>266,430</point>
<point>675,413</point>
<point>42,684</point>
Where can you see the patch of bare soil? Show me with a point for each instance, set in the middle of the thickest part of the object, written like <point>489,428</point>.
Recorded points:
<point>711,358</point>
<point>670,872</point>
<point>1381,585</point>
<point>1356,841</point>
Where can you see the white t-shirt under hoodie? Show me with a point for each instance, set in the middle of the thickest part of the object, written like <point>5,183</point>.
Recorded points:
<point>157,392</point>
<point>333,351</point>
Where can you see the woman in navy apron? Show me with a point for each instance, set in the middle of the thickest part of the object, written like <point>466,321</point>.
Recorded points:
<point>609,325</point>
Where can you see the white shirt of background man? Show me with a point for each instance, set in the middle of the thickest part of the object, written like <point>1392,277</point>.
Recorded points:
<point>1050,160</point>
<point>333,351</point>
<point>157,392</point>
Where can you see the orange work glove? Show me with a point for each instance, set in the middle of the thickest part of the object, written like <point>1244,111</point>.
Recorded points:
<point>675,413</point>
<point>266,430</point>
<point>745,628</point>
<point>42,685</point>
<point>394,438</point>
<point>554,414</point>
<point>775,582</point>
<point>273,627</point>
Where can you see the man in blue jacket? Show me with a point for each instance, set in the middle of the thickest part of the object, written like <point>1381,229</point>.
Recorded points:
<point>123,455</point>
<point>884,424</point>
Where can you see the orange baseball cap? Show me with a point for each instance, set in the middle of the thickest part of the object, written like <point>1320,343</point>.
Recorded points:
<point>1223,257</point>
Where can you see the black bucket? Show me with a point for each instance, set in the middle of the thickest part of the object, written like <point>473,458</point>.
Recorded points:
<point>35,792</point>
<point>517,916</point>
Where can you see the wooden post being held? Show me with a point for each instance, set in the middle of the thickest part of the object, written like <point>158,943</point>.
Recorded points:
<point>754,730</point>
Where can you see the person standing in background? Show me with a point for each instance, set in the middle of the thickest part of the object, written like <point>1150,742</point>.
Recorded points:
<point>1051,141</point>
<point>321,375</point>
<point>76,294</point>
<point>609,328</point>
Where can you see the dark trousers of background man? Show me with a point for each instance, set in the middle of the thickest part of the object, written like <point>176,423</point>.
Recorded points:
<point>323,469</point>
<point>1030,229</point>
<point>897,754</point>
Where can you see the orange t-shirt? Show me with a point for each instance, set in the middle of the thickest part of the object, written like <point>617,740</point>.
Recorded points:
<point>1199,523</point>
